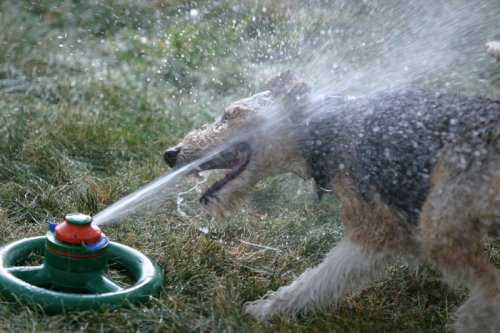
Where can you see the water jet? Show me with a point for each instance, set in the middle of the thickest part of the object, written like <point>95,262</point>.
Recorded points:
<point>75,271</point>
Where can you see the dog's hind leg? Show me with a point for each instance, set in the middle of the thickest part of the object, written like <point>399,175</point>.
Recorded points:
<point>460,209</point>
<point>374,237</point>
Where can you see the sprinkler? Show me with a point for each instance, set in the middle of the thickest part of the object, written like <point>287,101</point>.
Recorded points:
<point>74,274</point>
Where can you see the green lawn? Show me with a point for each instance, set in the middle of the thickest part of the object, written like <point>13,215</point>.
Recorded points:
<point>92,92</point>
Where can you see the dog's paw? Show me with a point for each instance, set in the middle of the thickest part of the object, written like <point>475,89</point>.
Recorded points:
<point>259,310</point>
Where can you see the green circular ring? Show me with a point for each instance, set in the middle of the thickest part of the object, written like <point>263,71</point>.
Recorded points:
<point>148,276</point>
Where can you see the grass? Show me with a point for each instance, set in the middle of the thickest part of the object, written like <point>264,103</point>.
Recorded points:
<point>91,94</point>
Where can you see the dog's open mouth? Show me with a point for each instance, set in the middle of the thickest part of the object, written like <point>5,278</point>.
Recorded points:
<point>235,159</point>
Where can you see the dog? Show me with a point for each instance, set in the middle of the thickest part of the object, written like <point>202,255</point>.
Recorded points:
<point>416,174</point>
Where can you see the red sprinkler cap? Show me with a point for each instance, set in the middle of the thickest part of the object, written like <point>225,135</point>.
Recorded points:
<point>78,229</point>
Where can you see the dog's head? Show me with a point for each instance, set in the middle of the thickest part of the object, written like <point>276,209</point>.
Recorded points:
<point>252,139</point>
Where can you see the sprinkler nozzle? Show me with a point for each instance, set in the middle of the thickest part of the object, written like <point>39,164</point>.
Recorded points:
<point>78,229</point>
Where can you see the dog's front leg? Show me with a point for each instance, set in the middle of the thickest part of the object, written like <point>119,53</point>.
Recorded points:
<point>346,267</point>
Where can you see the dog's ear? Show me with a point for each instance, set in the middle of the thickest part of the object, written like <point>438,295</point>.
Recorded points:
<point>287,86</point>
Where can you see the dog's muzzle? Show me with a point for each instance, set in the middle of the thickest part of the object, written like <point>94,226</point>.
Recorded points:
<point>170,156</point>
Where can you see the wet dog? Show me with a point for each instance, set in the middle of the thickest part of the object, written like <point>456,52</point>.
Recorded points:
<point>416,174</point>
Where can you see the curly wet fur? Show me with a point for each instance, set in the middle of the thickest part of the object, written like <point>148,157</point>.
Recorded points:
<point>416,173</point>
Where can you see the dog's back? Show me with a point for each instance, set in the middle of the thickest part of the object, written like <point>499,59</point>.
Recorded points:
<point>391,141</point>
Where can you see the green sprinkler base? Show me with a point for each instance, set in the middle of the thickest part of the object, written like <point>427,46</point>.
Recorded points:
<point>72,280</point>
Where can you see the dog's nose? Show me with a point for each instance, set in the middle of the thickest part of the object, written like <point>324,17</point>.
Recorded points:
<point>170,156</point>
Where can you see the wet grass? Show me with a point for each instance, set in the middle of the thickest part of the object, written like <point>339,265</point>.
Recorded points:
<point>91,95</point>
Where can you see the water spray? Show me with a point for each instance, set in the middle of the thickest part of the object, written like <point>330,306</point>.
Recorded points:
<point>74,273</point>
